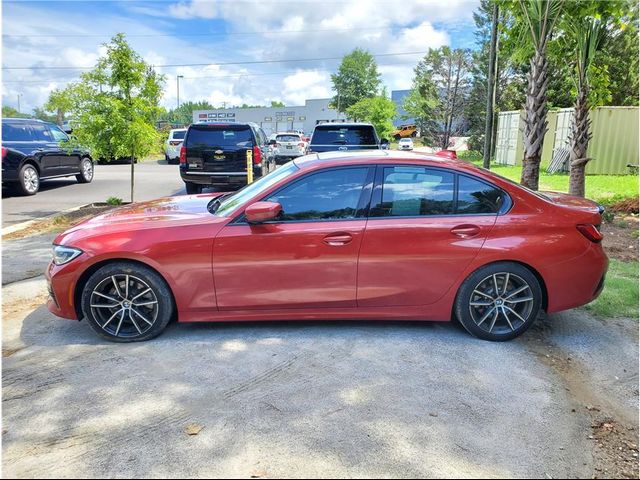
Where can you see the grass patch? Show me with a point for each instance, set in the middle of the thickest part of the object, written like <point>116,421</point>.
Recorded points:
<point>620,295</point>
<point>605,189</point>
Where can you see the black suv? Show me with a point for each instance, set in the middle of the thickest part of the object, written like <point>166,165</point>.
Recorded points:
<point>215,154</point>
<point>32,150</point>
<point>329,137</point>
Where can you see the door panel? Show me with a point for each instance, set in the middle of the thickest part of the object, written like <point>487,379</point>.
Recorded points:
<point>287,265</point>
<point>414,261</point>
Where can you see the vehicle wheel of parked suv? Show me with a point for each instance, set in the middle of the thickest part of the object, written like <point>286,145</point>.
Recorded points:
<point>86,171</point>
<point>127,302</point>
<point>29,180</point>
<point>499,302</point>
<point>192,188</point>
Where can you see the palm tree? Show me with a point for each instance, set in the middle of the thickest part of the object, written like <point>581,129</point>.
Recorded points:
<point>588,34</point>
<point>540,17</point>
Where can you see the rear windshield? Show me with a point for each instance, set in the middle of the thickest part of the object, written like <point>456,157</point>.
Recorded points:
<point>178,135</point>
<point>220,136</point>
<point>287,138</point>
<point>16,132</point>
<point>337,135</point>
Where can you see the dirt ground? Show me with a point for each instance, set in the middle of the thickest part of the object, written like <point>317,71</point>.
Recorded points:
<point>621,237</point>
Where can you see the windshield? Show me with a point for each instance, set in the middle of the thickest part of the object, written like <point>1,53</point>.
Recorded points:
<point>230,203</point>
<point>534,192</point>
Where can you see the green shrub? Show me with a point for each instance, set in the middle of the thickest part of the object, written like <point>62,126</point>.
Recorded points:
<point>114,201</point>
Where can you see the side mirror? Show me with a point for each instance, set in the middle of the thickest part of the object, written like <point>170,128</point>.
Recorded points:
<point>262,212</point>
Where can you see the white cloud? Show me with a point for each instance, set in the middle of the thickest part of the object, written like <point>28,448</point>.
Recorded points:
<point>304,85</point>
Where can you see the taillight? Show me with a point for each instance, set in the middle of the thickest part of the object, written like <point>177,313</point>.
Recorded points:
<point>4,152</point>
<point>591,232</point>
<point>257,155</point>
<point>301,144</point>
<point>183,155</point>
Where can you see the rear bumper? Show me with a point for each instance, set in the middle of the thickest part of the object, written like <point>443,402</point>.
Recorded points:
<point>219,178</point>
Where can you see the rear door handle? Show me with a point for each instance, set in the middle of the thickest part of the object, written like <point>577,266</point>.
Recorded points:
<point>337,239</point>
<point>466,231</point>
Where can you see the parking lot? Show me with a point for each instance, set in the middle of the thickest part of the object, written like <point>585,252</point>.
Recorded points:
<point>153,179</point>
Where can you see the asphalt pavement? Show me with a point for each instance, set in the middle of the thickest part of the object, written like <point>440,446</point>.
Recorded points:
<point>153,179</point>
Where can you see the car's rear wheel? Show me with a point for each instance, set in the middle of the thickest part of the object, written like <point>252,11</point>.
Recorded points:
<point>127,302</point>
<point>86,171</point>
<point>29,180</point>
<point>499,301</point>
<point>192,188</point>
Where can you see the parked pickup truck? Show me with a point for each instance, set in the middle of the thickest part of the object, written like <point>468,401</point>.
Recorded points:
<point>331,137</point>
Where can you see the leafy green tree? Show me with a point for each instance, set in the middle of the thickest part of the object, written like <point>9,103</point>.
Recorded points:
<point>357,78</point>
<point>10,112</point>
<point>42,114</point>
<point>183,114</point>
<point>440,90</point>
<point>115,106</point>
<point>58,102</point>
<point>277,104</point>
<point>379,111</point>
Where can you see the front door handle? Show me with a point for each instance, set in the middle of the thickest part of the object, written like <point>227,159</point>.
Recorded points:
<point>466,231</point>
<point>337,239</point>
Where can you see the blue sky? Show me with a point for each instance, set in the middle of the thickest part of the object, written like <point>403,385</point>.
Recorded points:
<point>70,34</point>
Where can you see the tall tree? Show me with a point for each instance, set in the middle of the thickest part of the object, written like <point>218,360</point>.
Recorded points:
<point>379,111</point>
<point>357,78</point>
<point>58,103</point>
<point>588,34</point>
<point>540,17</point>
<point>183,114</point>
<point>440,89</point>
<point>115,105</point>
<point>10,112</point>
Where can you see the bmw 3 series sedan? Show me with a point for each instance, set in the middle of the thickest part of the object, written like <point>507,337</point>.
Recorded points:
<point>354,235</point>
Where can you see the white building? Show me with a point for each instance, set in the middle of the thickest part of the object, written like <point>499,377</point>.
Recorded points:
<point>276,119</point>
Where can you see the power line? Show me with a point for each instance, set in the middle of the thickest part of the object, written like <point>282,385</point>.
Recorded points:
<point>211,34</point>
<point>252,62</point>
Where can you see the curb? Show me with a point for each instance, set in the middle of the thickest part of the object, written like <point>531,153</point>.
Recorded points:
<point>18,227</point>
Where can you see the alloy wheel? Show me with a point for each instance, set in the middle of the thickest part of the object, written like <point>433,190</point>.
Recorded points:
<point>124,305</point>
<point>30,179</point>
<point>501,303</point>
<point>87,170</point>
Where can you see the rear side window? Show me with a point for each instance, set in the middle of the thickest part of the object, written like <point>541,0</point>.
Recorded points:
<point>477,197</point>
<point>415,191</point>
<point>328,195</point>
<point>41,133</point>
<point>16,132</point>
<point>219,137</point>
<point>178,135</point>
<point>337,135</point>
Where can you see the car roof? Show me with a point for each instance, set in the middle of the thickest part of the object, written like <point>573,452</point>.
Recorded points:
<point>364,157</point>
<point>344,124</point>
<point>23,120</point>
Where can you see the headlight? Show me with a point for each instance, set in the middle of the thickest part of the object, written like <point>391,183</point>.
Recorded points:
<point>62,255</point>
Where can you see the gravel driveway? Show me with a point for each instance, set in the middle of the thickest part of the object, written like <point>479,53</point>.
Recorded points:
<point>390,399</point>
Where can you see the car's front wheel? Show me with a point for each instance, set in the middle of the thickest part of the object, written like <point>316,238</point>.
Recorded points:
<point>86,171</point>
<point>127,302</point>
<point>499,301</point>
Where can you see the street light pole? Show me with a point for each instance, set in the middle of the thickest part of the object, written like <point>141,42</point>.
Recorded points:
<point>19,95</point>
<point>178,77</point>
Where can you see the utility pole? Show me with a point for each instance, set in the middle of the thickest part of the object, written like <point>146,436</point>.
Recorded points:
<point>491,83</point>
<point>178,77</point>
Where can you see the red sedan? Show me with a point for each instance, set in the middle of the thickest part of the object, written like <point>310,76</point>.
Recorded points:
<point>370,235</point>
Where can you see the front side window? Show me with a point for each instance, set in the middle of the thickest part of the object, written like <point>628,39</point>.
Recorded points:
<point>41,133</point>
<point>415,191</point>
<point>328,195</point>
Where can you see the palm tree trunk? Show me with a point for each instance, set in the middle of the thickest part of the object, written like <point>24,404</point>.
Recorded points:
<point>580,137</point>
<point>535,125</point>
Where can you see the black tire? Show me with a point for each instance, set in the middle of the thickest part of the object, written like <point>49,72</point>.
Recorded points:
<point>489,305</point>
<point>125,322</point>
<point>28,180</point>
<point>192,188</point>
<point>86,171</point>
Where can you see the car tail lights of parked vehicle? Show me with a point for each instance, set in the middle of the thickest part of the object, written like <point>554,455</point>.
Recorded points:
<point>257,155</point>
<point>4,152</point>
<point>591,232</point>
<point>183,155</point>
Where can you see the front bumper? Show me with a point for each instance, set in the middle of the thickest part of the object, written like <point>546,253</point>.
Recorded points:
<point>61,282</point>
